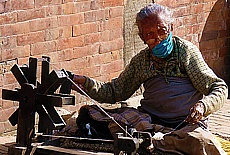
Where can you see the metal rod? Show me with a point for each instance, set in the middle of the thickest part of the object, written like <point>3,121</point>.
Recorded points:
<point>76,138</point>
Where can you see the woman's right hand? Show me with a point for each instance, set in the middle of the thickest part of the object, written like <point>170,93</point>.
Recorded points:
<point>79,80</point>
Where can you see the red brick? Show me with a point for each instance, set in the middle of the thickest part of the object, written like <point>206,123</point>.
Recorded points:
<point>56,58</point>
<point>57,33</point>
<point>116,11</point>
<point>172,4</point>
<point>116,33</point>
<point>67,65</point>
<point>178,22</point>
<point>112,3</point>
<point>190,20</point>
<point>22,61</point>
<point>202,18</point>
<point>17,52</point>
<point>2,7</point>
<point>224,51</point>
<point>212,54</point>
<point>53,10</point>
<point>79,63</point>
<point>197,29</point>
<point>38,24</point>
<point>91,38</point>
<point>215,25</point>
<point>7,6</point>
<point>105,47</point>
<point>30,38</point>
<point>73,19</point>
<point>70,42</point>
<point>105,36</point>
<point>22,4</point>
<point>84,51</point>
<point>208,45</point>
<point>85,28</point>
<point>80,52</point>
<point>41,3</point>
<point>96,4</point>
<point>90,16</point>
<point>228,24</point>
<point>68,54</point>
<point>102,15</point>
<point>68,8</point>
<point>52,22</point>
<point>180,31</point>
<point>112,67</point>
<point>92,71</point>
<point>43,47</point>
<point>98,59</point>
<point>20,28</point>
<point>196,8</point>
<point>8,18</point>
<point>182,11</point>
<point>77,30</point>
<point>82,6</point>
<point>226,14</point>
<point>114,23</point>
<point>9,78</point>
<point>8,42</point>
<point>7,54</point>
<point>30,14</point>
<point>53,34</point>
<point>114,74</point>
<point>96,15</point>
<point>117,44</point>
<point>211,35</point>
<point>94,48</point>
<point>77,41</point>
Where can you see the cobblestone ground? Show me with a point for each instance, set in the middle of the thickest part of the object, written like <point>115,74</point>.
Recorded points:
<point>220,121</point>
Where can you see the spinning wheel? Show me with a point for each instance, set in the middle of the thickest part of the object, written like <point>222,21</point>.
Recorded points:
<point>38,97</point>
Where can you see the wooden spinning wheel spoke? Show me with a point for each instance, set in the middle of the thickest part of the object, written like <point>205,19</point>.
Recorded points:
<point>38,97</point>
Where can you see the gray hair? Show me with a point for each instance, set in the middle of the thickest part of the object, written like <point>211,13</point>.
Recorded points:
<point>157,10</point>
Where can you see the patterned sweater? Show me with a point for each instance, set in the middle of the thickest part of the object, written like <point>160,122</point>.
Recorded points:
<point>184,61</point>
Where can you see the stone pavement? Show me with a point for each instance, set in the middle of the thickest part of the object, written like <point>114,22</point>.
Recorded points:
<point>220,121</point>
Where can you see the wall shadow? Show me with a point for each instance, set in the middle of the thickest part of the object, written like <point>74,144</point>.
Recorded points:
<point>215,40</point>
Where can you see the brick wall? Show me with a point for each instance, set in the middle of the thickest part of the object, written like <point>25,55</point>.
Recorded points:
<point>98,37</point>
<point>82,36</point>
<point>206,23</point>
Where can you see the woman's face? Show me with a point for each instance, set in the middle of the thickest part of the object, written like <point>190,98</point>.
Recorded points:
<point>152,31</point>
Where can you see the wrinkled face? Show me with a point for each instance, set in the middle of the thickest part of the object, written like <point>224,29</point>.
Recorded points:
<point>153,30</point>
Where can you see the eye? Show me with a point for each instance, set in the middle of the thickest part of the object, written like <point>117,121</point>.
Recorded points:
<point>162,30</point>
<point>150,34</point>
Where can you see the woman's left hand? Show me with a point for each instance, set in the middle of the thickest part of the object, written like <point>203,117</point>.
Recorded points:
<point>196,113</point>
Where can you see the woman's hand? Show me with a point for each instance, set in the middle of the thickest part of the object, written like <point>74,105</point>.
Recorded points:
<point>79,80</point>
<point>196,113</point>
